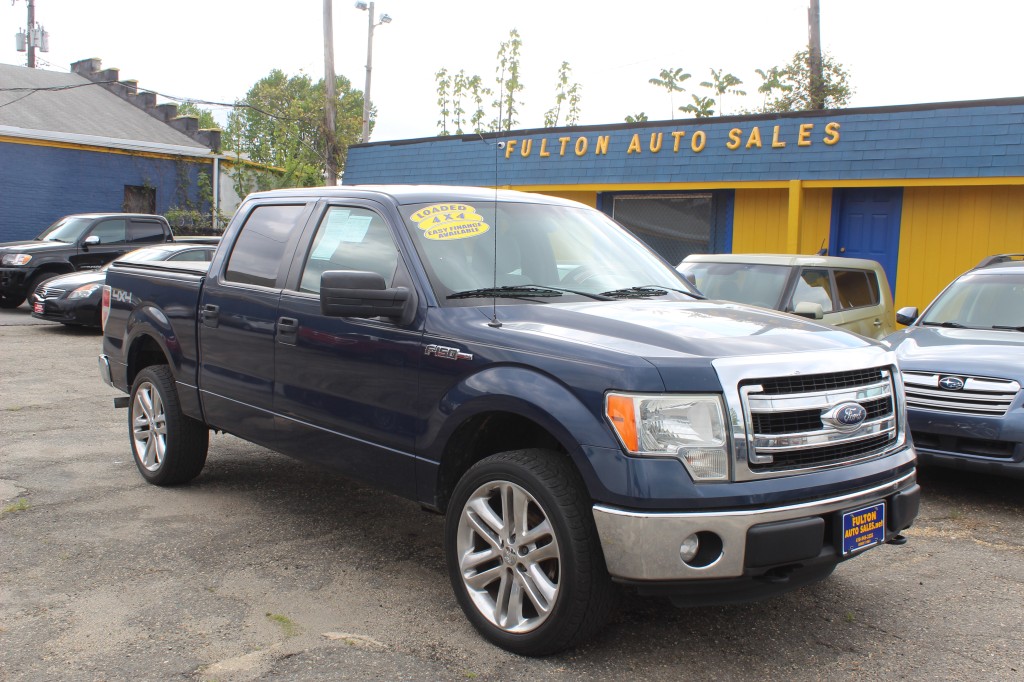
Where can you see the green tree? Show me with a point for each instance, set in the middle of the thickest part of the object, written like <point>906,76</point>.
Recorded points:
<point>444,98</point>
<point>563,92</point>
<point>702,107</point>
<point>280,123</point>
<point>793,84</point>
<point>637,118</point>
<point>509,85</point>
<point>672,80</point>
<point>205,116</point>
<point>722,83</point>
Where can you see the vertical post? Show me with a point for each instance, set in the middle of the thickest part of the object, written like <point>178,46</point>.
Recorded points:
<point>814,56</point>
<point>795,216</point>
<point>215,209</point>
<point>29,39</point>
<point>332,95</point>
<point>369,68</point>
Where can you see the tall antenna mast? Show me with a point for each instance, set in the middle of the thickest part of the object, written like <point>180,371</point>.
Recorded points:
<point>33,38</point>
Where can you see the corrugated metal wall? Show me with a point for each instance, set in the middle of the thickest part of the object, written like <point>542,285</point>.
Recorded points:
<point>947,230</point>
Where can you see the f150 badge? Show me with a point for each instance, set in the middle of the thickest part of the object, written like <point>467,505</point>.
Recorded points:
<point>446,352</point>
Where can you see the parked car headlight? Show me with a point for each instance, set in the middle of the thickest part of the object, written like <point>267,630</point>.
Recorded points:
<point>16,259</point>
<point>690,427</point>
<point>84,292</point>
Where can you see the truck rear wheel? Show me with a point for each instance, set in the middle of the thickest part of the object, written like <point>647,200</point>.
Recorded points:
<point>523,553</point>
<point>168,447</point>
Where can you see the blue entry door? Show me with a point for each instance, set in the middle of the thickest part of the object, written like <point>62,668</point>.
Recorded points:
<point>866,224</point>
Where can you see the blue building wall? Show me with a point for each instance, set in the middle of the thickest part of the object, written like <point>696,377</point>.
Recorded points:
<point>960,140</point>
<point>39,184</point>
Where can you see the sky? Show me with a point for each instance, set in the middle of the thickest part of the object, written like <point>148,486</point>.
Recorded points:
<point>897,51</point>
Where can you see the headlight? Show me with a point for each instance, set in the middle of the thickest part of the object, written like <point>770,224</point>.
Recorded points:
<point>16,259</point>
<point>690,427</point>
<point>84,292</point>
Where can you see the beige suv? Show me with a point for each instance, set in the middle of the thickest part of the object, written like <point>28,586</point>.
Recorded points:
<point>851,293</point>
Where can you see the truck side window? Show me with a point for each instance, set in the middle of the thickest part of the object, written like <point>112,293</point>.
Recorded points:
<point>814,286</point>
<point>259,250</point>
<point>110,231</point>
<point>856,288</point>
<point>350,238</point>
<point>146,232</point>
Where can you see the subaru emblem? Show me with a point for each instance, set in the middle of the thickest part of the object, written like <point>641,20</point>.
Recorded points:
<point>845,416</point>
<point>951,383</point>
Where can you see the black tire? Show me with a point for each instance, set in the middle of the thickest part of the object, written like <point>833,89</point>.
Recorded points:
<point>487,575</point>
<point>168,447</point>
<point>38,279</point>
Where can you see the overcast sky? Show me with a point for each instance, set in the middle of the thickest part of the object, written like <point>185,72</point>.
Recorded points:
<point>897,51</point>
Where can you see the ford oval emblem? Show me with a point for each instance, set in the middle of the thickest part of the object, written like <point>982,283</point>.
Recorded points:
<point>951,383</point>
<point>845,416</point>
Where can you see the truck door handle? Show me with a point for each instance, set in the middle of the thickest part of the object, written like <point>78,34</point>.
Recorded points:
<point>210,315</point>
<point>287,330</point>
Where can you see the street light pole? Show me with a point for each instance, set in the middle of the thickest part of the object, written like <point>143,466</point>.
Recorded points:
<point>384,19</point>
<point>332,96</point>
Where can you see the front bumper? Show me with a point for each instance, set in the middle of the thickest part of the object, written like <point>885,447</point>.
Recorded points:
<point>645,546</point>
<point>66,311</point>
<point>12,281</point>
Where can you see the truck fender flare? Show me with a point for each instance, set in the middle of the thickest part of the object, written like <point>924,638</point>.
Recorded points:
<point>522,392</point>
<point>150,322</point>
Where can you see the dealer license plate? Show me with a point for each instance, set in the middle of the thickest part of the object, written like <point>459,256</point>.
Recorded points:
<point>37,307</point>
<point>863,528</point>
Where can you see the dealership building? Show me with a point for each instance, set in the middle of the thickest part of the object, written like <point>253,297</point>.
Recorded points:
<point>927,190</point>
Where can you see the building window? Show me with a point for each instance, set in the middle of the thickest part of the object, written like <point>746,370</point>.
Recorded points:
<point>675,225</point>
<point>139,199</point>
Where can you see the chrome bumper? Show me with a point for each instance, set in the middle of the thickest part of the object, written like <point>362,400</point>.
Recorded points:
<point>104,363</point>
<point>645,546</point>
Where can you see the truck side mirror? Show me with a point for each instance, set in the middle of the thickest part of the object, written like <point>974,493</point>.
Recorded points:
<point>907,315</point>
<point>353,293</point>
<point>812,311</point>
<point>91,240</point>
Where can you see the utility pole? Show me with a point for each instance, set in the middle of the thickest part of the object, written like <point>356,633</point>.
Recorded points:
<point>31,25</point>
<point>33,37</point>
<point>814,56</point>
<point>332,95</point>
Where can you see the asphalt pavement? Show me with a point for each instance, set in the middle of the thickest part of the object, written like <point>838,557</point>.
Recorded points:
<point>265,568</point>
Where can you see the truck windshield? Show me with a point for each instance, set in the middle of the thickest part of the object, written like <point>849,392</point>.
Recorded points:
<point>514,250</point>
<point>67,230</point>
<point>751,283</point>
<point>979,301</point>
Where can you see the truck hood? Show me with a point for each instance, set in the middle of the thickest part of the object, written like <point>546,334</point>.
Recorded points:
<point>33,246</point>
<point>981,352</point>
<point>659,329</point>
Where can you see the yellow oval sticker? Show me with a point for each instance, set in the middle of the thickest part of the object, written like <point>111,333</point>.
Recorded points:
<point>444,222</point>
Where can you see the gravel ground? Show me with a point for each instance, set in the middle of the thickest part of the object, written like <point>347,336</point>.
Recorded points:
<point>264,568</point>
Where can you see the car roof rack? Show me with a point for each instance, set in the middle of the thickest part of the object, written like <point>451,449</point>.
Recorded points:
<point>1001,258</point>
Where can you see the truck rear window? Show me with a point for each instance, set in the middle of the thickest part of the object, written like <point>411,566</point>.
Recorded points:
<point>259,250</point>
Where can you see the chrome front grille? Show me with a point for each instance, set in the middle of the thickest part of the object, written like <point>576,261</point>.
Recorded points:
<point>789,427</point>
<point>49,292</point>
<point>977,395</point>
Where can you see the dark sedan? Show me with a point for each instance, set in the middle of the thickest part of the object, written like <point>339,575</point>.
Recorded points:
<point>75,298</point>
<point>963,370</point>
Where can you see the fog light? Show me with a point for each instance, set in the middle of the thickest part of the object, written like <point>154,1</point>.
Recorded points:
<point>688,550</point>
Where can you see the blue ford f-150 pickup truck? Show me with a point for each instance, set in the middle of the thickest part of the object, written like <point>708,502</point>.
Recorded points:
<point>583,417</point>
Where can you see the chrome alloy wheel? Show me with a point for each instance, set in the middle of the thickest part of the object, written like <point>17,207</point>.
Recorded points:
<point>508,555</point>
<point>149,426</point>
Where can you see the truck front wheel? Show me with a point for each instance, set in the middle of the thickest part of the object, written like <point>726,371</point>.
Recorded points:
<point>168,447</point>
<point>523,553</point>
